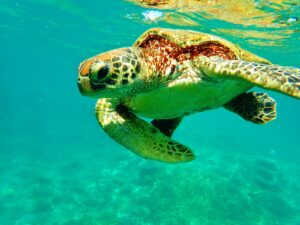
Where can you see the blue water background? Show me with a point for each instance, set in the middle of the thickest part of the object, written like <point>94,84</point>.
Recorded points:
<point>57,166</point>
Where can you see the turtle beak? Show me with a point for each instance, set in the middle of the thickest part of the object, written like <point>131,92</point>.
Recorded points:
<point>83,85</point>
<point>79,85</point>
<point>83,81</point>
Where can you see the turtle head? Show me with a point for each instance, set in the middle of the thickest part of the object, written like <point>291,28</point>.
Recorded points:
<point>109,74</point>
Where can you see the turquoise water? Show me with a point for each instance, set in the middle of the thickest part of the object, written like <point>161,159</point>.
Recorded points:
<point>57,166</point>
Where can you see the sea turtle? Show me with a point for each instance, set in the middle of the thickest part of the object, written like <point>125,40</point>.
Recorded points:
<point>168,74</point>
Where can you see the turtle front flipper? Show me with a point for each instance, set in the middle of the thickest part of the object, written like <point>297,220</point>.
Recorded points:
<point>258,108</point>
<point>137,135</point>
<point>269,76</point>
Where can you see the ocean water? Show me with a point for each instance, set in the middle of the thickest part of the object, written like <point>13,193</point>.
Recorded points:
<point>57,166</point>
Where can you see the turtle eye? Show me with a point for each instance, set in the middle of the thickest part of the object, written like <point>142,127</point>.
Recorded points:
<point>102,73</point>
<point>99,72</point>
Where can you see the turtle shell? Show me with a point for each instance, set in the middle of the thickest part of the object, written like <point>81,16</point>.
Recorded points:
<point>180,44</point>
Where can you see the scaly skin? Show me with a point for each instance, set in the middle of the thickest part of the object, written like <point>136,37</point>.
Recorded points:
<point>137,135</point>
<point>278,78</point>
<point>258,108</point>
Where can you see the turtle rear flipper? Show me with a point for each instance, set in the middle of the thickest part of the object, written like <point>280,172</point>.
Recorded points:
<point>269,76</point>
<point>137,135</point>
<point>258,108</point>
<point>167,126</point>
